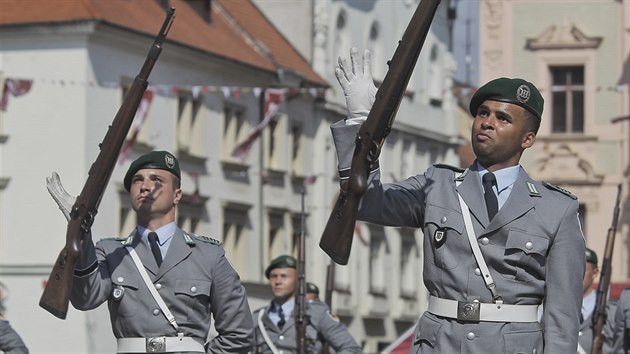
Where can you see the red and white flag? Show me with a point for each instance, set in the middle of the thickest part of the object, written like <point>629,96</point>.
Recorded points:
<point>15,88</point>
<point>138,121</point>
<point>273,98</point>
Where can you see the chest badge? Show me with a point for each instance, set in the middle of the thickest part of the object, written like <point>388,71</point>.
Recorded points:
<point>118,293</point>
<point>439,236</point>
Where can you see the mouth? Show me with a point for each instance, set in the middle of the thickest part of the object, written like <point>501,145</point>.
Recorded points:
<point>481,137</point>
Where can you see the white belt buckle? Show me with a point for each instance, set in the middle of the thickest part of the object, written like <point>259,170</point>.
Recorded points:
<point>468,310</point>
<point>156,344</point>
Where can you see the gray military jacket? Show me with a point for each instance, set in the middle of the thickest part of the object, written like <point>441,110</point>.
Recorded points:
<point>585,335</point>
<point>534,248</point>
<point>619,319</point>
<point>321,326</point>
<point>10,340</point>
<point>195,280</point>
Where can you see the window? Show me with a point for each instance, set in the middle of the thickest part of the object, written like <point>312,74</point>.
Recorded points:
<point>276,138</point>
<point>409,264</point>
<point>277,233</point>
<point>236,230</point>
<point>234,130</point>
<point>190,130</point>
<point>297,153</point>
<point>567,92</point>
<point>378,250</point>
<point>379,65</point>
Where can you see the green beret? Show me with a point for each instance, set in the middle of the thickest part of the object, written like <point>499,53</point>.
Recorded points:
<point>591,256</point>
<point>161,160</point>
<point>312,288</point>
<point>516,91</point>
<point>285,261</point>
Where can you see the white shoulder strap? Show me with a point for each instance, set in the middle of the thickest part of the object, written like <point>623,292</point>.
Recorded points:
<point>152,290</point>
<point>265,335</point>
<point>472,239</point>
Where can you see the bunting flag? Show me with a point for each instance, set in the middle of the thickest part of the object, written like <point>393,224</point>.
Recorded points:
<point>308,180</point>
<point>138,121</point>
<point>359,232</point>
<point>402,345</point>
<point>273,98</point>
<point>14,87</point>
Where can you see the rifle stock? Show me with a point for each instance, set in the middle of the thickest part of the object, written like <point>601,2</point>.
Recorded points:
<point>301,317</point>
<point>56,294</point>
<point>336,240</point>
<point>599,318</point>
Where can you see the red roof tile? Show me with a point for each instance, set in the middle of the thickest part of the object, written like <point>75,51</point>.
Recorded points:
<point>219,37</point>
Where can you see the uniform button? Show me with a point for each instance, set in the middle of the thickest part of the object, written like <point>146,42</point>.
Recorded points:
<point>534,351</point>
<point>158,286</point>
<point>529,245</point>
<point>485,241</point>
<point>120,279</point>
<point>477,271</point>
<point>476,300</point>
<point>470,336</point>
<point>193,289</point>
<point>156,312</point>
<point>280,352</point>
<point>281,337</point>
<point>443,220</point>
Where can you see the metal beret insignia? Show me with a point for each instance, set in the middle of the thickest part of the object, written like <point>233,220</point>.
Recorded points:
<point>523,93</point>
<point>169,160</point>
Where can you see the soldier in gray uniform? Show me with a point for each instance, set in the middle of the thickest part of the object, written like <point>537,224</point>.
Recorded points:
<point>161,283</point>
<point>589,297</point>
<point>491,255</point>
<point>618,337</point>
<point>275,324</point>
<point>10,340</point>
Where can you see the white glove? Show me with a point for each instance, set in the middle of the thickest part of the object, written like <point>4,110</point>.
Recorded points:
<point>63,199</point>
<point>357,84</point>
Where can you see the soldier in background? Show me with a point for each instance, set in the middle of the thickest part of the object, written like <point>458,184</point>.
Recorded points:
<point>589,298</point>
<point>275,329</point>
<point>312,292</point>
<point>10,340</point>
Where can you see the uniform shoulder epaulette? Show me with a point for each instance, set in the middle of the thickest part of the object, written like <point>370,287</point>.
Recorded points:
<point>449,167</point>
<point>559,189</point>
<point>206,239</point>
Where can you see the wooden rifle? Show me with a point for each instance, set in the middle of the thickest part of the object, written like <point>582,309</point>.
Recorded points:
<point>59,286</point>
<point>336,240</point>
<point>599,314</point>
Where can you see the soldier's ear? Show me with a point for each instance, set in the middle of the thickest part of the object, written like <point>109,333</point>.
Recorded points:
<point>528,140</point>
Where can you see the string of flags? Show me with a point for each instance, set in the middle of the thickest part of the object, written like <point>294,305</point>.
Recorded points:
<point>20,86</point>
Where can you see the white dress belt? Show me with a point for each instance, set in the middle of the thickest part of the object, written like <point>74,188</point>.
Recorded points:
<point>477,311</point>
<point>158,345</point>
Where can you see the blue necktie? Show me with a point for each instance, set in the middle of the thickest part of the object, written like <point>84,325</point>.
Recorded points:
<point>155,247</point>
<point>492,204</point>
<point>281,322</point>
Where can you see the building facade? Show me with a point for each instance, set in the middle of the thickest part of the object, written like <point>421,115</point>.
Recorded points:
<point>248,118</point>
<point>580,64</point>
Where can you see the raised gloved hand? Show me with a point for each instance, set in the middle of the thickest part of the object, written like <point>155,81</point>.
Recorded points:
<point>63,199</point>
<point>357,84</point>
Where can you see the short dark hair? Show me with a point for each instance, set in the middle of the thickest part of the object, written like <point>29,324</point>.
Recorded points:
<point>532,123</point>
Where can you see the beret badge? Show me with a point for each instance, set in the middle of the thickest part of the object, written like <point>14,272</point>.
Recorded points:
<point>169,160</point>
<point>523,93</point>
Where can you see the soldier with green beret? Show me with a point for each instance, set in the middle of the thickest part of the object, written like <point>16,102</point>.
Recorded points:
<point>589,298</point>
<point>275,330</point>
<point>497,243</point>
<point>162,284</point>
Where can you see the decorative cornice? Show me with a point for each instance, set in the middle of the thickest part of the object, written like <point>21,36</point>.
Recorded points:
<point>563,37</point>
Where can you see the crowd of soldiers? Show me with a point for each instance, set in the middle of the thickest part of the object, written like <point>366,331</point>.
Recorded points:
<point>505,262</point>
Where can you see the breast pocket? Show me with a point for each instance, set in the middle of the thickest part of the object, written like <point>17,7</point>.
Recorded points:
<point>123,299</point>
<point>525,256</point>
<point>195,294</point>
<point>443,229</point>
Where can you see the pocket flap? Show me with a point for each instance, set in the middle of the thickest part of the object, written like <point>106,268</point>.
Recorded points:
<point>426,330</point>
<point>444,217</point>
<point>527,243</point>
<point>127,280</point>
<point>192,287</point>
